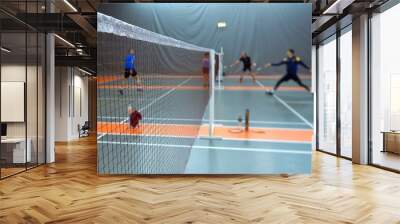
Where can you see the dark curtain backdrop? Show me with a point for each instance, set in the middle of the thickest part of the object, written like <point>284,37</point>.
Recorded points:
<point>264,30</point>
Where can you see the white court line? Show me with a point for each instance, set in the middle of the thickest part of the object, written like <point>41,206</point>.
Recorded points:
<point>151,103</point>
<point>293,110</point>
<point>265,140</point>
<point>299,102</point>
<point>206,120</point>
<point>235,121</point>
<point>210,147</point>
<point>230,139</point>
<point>288,107</point>
<point>123,99</point>
<point>165,94</point>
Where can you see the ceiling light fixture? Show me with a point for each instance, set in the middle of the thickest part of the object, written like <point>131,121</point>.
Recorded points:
<point>337,7</point>
<point>333,6</point>
<point>221,24</point>
<point>84,71</point>
<point>65,41</point>
<point>5,50</point>
<point>70,5</point>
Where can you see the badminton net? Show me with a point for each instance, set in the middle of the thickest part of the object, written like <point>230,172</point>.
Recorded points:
<point>169,91</point>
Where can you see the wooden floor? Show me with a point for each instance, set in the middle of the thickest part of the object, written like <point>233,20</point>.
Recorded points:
<point>70,191</point>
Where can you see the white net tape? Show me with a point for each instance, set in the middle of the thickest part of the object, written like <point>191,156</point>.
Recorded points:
<point>108,24</point>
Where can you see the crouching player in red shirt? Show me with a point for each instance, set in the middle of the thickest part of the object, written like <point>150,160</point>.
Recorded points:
<point>134,117</point>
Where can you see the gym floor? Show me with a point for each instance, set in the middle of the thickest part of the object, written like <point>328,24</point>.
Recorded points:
<point>279,139</point>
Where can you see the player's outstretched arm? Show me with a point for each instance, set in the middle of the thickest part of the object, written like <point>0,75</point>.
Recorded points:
<point>304,65</point>
<point>284,61</point>
<point>234,63</point>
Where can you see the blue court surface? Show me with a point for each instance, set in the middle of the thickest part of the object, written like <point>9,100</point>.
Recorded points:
<point>279,140</point>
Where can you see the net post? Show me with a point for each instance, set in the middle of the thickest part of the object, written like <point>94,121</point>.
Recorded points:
<point>211,89</point>
<point>220,67</point>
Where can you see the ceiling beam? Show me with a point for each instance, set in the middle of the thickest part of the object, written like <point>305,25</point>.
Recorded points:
<point>77,61</point>
<point>86,26</point>
<point>338,6</point>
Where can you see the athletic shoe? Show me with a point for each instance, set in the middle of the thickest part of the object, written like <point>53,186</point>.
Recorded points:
<point>270,92</point>
<point>121,91</point>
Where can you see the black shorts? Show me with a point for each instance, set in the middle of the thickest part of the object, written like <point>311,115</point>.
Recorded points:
<point>288,77</point>
<point>130,72</point>
<point>247,68</point>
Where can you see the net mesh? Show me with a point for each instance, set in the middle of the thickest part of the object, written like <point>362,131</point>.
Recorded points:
<point>170,92</point>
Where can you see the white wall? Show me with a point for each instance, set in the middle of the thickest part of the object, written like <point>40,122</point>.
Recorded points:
<point>71,87</point>
<point>14,73</point>
<point>33,127</point>
<point>80,115</point>
<point>17,73</point>
<point>62,82</point>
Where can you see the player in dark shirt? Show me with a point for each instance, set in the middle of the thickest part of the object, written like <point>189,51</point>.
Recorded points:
<point>292,63</point>
<point>134,117</point>
<point>246,61</point>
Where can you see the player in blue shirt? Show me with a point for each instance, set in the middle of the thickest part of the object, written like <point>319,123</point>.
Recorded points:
<point>292,63</point>
<point>130,70</point>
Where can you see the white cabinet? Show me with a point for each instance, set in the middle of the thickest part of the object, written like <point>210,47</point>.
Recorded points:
<point>16,146</point>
